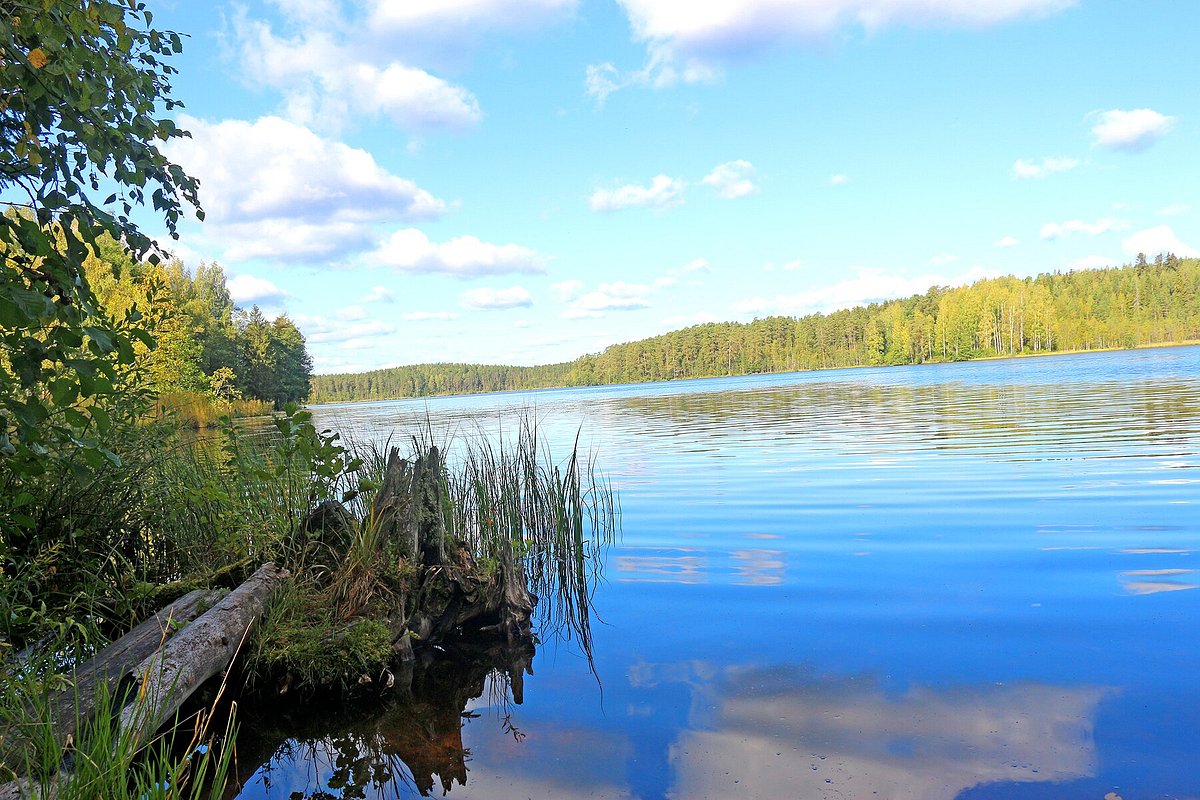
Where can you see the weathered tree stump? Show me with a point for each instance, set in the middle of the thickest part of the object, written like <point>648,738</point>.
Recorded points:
<point>451,591</point>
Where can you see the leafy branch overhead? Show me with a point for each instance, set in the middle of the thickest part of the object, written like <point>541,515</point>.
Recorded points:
<point>85,87</point>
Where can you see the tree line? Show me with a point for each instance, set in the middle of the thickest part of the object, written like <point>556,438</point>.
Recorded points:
<point>1144,303</point>
<point>204,343</point>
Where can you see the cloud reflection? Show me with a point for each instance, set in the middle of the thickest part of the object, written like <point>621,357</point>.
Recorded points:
<point>785,732</point>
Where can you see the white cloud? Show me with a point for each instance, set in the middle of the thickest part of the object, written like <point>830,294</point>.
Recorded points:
<point>1131,131</point>
<point>839,180</point>
<point>1055,230</point>
<point>623,296</point>
<point>1025,169</point>
<point>1175,210</point>
<point>943,258</point>
<point>351,313</point>
<point>271,188</point>
<point>662,70</point>
<point>1006,241</point>
<point>251,290</point>
<point>438,17</point>
<point>379,294</point>
<point>487,299</point>
<point>795,265</point>
<point>1160,239</point>
<point>672,276</point>
<point>867,286</point>
<point>692,40</point>
<point>1090,262</point>
<point>410,250</point>
<point>566,291</point>
<point>732,179</point>
<point>423,316</point>
<point>319,330</point>
<point>328,78</point>
<point>616,296</point>
<point>663,192</point>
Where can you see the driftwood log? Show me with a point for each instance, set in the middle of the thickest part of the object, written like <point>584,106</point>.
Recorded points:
<point>71,707</point>
<point>202,650</point>
<point>160,664</point>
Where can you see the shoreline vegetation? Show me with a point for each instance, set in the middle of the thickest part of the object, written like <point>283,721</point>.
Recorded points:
<point>1144,304</point>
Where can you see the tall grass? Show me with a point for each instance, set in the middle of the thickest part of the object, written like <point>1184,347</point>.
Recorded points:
<point>197,410</point>
<point>102,760</point>
<point>513,499</point>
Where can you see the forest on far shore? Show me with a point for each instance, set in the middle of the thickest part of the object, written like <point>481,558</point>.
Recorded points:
<point>1145,303</point>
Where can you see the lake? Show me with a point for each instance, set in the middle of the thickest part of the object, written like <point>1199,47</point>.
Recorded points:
<point>970,580</point>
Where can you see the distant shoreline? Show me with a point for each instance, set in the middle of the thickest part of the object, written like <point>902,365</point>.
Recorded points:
<point>1012,357</point>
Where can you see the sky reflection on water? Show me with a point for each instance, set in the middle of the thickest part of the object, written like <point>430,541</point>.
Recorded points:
<point>963,581</point>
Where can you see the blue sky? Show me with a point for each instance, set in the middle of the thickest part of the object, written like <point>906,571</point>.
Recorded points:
<point>525,181</point>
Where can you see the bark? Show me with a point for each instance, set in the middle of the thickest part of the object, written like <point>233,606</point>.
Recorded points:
<point>202,650</point>
<point>77,705</point>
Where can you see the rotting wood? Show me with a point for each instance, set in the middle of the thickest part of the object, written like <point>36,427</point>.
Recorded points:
<point>202,650</point>
<point>76,705</point>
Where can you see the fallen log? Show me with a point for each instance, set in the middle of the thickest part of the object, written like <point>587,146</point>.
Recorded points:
<point>76,705</point>
<point>69,709</point>
<point>202,650</point>
<point>163,676</point>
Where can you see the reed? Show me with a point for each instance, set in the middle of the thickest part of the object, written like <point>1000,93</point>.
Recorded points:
<point>514,499</point>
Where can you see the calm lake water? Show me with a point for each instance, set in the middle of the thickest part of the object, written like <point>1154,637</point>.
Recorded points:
<point>959,581</point>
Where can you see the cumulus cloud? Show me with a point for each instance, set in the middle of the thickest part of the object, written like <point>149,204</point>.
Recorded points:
<point>1055,230</point>
<point>1026,169</point>
<point>351,313</point>
<point>1175,210</point>
<point>616,296</point>
<point>693,267</point>
<point>663,192</point>
<point>320,330</point>
<point>795,265</point>
<point>327,77</point>
<point>1160,239</point>
<point>867,286</point>
<point>272,188</point>
<point>732,179</point>
<point>690,41</point>
<point>622,295</point>
<point>410,250</point>
<point>1006,241</point>
<point>839,180</point>
<point>250,290</point>
<point>489,299</point>
<point>662,70</point>
<point>424,316</point>
<point>566,291</point>
<point>1131,131</point>
<point>943,258</point>
<point>379,294</point>
<point>441,17</point>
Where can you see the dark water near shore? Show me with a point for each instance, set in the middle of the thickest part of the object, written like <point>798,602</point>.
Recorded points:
<point>959,581</point>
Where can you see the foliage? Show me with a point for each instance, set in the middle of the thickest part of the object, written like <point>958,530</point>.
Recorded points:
<point>83,89</point>
<point>514,503</point>
<point>1155,303</point>
<point>205,343</point>
<point>302,641</point>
